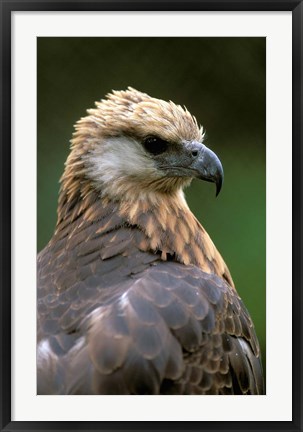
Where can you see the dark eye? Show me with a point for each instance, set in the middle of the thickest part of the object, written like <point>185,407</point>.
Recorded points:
<point>155,145</point>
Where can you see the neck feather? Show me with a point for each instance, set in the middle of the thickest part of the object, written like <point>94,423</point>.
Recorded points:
<point>161,223</point>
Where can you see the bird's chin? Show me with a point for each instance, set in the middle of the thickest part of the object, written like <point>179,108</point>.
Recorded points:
<point>167,184</point>
<point>181,172</point>
<point>179,182</point>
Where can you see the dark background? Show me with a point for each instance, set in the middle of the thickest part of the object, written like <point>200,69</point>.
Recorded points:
<point>221,81</point>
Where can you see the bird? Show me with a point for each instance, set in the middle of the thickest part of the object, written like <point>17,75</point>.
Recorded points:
<point>133,297</point>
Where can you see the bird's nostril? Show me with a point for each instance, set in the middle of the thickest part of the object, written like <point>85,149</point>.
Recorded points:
<point>194,153</point>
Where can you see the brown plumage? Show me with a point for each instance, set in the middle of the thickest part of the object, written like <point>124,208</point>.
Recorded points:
<point>133,296</point>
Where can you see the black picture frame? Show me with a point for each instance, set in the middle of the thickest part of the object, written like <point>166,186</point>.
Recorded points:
<point>7,7</point>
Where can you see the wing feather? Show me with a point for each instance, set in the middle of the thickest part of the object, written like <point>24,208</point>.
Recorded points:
<point>128,323</point>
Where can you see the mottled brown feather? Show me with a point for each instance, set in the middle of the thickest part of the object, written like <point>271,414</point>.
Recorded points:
<point>133,296</point>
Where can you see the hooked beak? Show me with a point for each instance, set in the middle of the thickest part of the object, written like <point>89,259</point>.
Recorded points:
<point>207,165</point>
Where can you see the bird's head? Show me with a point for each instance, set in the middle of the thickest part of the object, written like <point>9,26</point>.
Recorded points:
<point>134,143</point>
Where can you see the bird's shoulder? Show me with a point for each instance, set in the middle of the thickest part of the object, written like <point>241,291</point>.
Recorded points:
<point>163,327</point>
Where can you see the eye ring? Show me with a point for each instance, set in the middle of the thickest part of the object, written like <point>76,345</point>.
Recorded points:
<point>155,145</point>
<point>194,153</point>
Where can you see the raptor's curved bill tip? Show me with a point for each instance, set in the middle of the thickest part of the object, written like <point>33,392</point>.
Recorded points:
<point>209,168</point>
<point>219,183</point>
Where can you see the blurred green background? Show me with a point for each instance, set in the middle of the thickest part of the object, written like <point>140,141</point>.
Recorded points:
<point>221,81</point>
